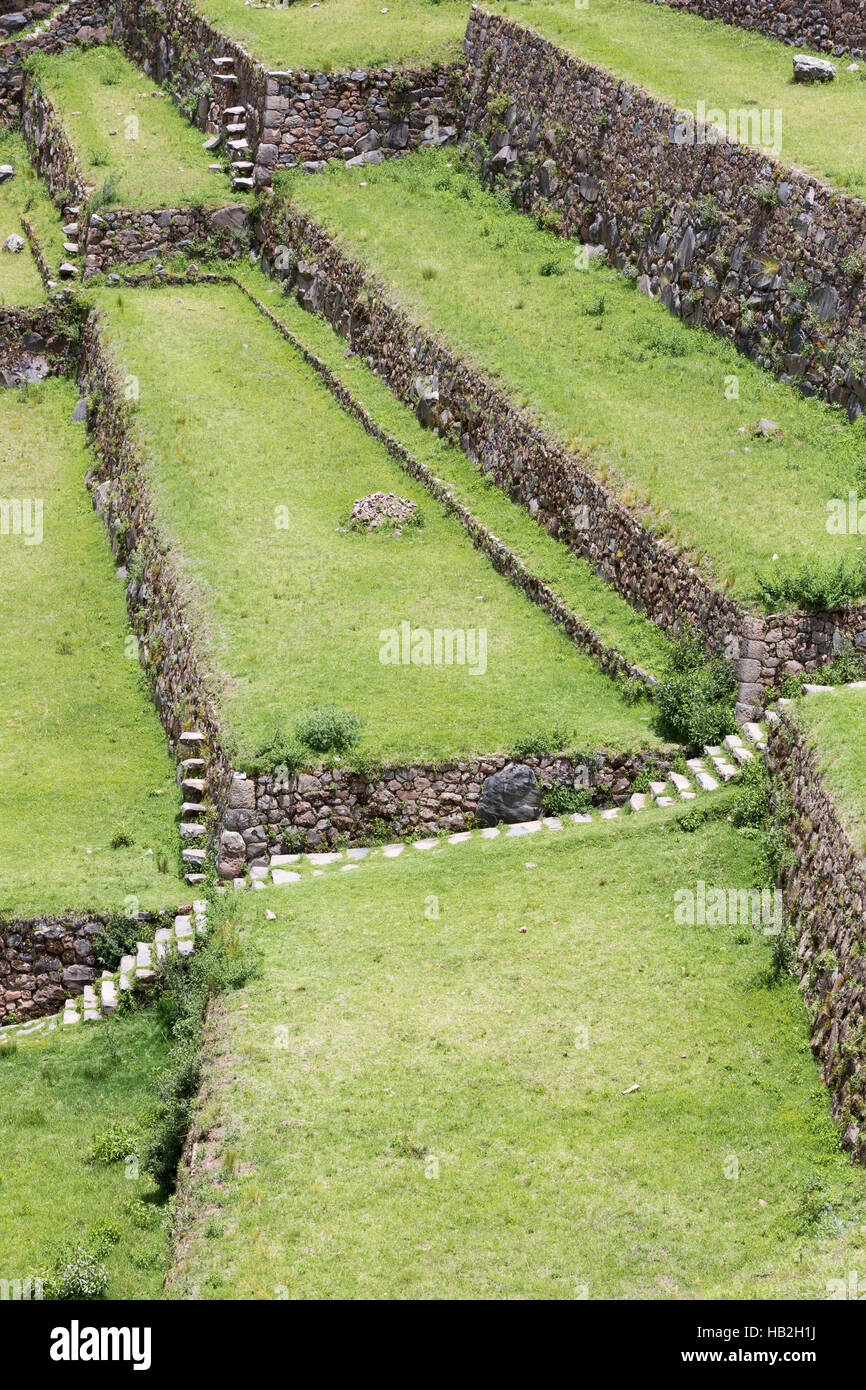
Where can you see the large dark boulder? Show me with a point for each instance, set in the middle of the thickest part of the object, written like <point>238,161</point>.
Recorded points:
<point>510,795</point>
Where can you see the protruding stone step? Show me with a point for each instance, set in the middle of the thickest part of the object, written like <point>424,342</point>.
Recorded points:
<point>108,996</point>
<point>489,832</point>
<point>242,183</point>
<point>279,861</point>
<point>223,62</point>
<point>753,732</point>
<point>679,782</point>
<point>194,879</point>
<point>391,851</point>
<point>362,852</point>
<point>193,787</point>
<point>232,111</point>
<point>143,961</point>
<point>658,788</point>
<point>242,145</point>
<point>279,876</point>
<point>637,801</point>
<point>664,801</point>
<point>192,739</point>
<point>325,858</point>
<point>195,857</point>
<point>185,948</point>
<point>706,782</point>
<point>819,689</point>
<point>742,755</point>
<point>192,808</point>
<point>611,813</point>
<point>459,837</point>
<point>731,741</point>
<point>191,830</point>
<point>182,926</point>
<point>236,128</point>
<point>190,765</point>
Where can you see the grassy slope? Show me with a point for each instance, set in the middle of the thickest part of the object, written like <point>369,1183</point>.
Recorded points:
<point>571,577</point>
<point>835,723</point>
<point>81,749</point>
<point>684,59</point>
<point>615,381</point>
<point>20,281</point>
<point>56,1093</point>
<point>379,1035</point>
<point>343,34</point>
<point>238,427</point>
<point>96,90</point>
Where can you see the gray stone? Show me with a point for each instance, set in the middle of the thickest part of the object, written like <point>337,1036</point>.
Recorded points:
<point>232,854</point>
<point>79,414</point>
<point>14,243</point>
<point>823,302</point>
<point>234,219</point>
<point>6,172</point>
<point>808,69</point>
<point>12,22</point>
<point>511,795</point>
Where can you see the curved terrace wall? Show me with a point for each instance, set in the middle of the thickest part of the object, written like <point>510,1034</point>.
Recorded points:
<point>725,237</point>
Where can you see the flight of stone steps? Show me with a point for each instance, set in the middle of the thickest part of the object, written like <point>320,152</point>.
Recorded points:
<point>135,971</point>
<point>726,762</point>
<point>191,770</point>
<point>234,125</point>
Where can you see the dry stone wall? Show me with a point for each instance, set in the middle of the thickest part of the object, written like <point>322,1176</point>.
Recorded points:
<point>825,896</point>
<point>724,236</point>
<point>79,22</point>
<point>837,25</point>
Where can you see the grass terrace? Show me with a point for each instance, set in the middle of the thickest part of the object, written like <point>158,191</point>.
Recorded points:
<point>254,470</point>
<point>88,798</point>
<point>58,1093</point>
<point>25,194</point>
<point>834,723</point>
<point>611,371</point>
<point>343,34</point>
<point>129,138</point>
<point>684,59</point>
<point>573,578</point>
<point>545,1088</point>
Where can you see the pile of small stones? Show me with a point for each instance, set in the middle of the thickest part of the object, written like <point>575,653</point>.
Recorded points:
<point>380,509</point>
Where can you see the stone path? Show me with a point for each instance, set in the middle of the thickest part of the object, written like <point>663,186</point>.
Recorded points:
<point>191,770</point>
<point>102,997</point>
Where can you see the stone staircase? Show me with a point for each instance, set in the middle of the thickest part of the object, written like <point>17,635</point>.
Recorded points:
<point>191,776</point>
<point>134,972</point>
<point>137,970</point>
<point>235,120</point>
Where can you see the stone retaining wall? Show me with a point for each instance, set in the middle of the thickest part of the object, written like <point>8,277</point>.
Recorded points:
<point>839,25</point>
<point>322,808</point>
<point>289,118</point>
<point>553,483</point>
<point>158,609</point>
<point>51,153</point>
<point>44,959</point>
<point>761,254</point>
<point>130,235</point>
<point>80,22</point>
<point>825,897</point>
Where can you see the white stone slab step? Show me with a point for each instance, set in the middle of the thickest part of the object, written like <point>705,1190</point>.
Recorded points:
<point>637,801</point>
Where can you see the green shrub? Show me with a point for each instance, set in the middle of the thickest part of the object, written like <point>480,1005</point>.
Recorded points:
<point>565,801</point>
<point>752,801</point>
<point>329,730</point>
<point>78,1275</point>
<point>278,750</point>
<point>696,696</point>
<point>112,1144</point>
<point>102,1237</point>
<point>813,583</point>
<point>116,938</point>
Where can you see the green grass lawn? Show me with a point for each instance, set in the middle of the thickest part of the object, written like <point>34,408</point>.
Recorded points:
<point>254,470</point>
<point>82,755</point>
<point>684,59</point>
<point>608,369</point>
<point>127,131</point>
<point>835,724</point>
<point>420,1099</point>
<point>573,578</point>
<point>57,1093</point>
<point>20,281</point>
<point>343,34</point>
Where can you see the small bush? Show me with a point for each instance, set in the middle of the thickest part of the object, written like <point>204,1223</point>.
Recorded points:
<point>111,1144</point>
<point>280,751</point>
<point>812,584</point>
<point>565,801</point>
<point>121,839</point>
<point>329,730</point>
<point>102,1238</point>
<point>535,745</point>
<point>79,1275</point>
<point>752,802</point>
<point>114,939</point>
<point>696,696</point>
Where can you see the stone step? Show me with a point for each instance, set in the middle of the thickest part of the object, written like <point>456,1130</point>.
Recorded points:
<point>242,183</point>
<point>637,801</point>
<point>194,879</point>
<point>108,996</point>
<point>742,755</point>
<point>194,856</point>
<point>241,146</point>
<point>232,111</point>
<point>227,77</point>
<point>182,927</point>
<point>753,732</point>
<point>193,787</point>
<point>223,62</point>
<point>680,783</point>
<point>236,128</point>
<point>706,782</point>
<point>191,765</point>
<point>192,739</point>
<point>242,164</point>
<point>190,830</point>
